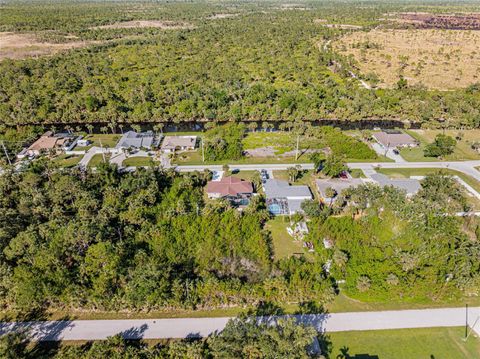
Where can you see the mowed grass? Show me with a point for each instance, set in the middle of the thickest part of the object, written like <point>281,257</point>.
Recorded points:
<point>283,244</point>
<point>139,162</point>
<point>67,161</point>
<point>105,140</point>
<point>438,59</point>
<point>463,150</point>
<point>422,343</point>
<point>97,160</point>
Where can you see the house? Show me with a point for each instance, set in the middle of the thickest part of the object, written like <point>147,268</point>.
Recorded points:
<point>283,198</point>
<point>337,184</point>
<point>48,142</point>
<point>394,138</point>
<point>132,139</point>
<point>234,189</point>
<point>409,185</point>
<point>179,143</point>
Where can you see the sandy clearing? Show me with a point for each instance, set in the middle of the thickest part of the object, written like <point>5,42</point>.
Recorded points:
<point>161,24</point>
<point>20,46</point>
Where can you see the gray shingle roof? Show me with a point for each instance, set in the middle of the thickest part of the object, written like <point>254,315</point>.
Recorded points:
<point>281,189</point>
<point>136,140</point>
<point>410,185</point>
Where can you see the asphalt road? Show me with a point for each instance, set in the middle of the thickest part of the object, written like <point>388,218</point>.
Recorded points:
<point>200,327</point>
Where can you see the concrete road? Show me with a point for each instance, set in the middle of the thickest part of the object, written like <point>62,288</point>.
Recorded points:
<point>200,327</point>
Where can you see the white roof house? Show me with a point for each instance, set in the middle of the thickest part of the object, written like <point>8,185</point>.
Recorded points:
<point>179,143</point>
<point>283,198</point>
<point>132,139</point>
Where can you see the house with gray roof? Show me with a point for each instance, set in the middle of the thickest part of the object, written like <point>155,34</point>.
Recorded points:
<point>410,185</point>
<point>282,198</point>
<point>394,138</point>
<point>132,139</point>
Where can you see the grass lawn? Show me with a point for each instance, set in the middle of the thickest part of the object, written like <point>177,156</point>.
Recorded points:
<point>139,162</point>
<point>463,151</point>
<point>67,161</point>
<point>246,175</point>
<point>357,173</point>
<point>97,159</point>
<point>283,244</point>
<point>107,140</point>
<point>419,343</point>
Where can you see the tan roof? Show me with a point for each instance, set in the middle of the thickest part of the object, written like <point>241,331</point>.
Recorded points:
<point>172,142</point>
<point>43,143</point>
<point>394,139</point>
<point>229,186</point>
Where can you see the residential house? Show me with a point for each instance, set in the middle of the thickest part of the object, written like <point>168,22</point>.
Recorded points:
<point>409,185</point>
<point>338,185</point>
<point>179,143</point>
<point>234,189</point>
<point>394,139</point>
<point>49,142</point>
<point>134,140</point>
<point>282,198</point>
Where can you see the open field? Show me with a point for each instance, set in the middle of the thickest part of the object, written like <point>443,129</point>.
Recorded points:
<point>463,150</point>
<point>421,343</point>
<point>105,140</point>
<point>19,46</point>
<point>283,244</point>
<point>438,59</point>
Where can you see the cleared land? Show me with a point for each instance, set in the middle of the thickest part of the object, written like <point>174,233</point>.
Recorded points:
<point>463,150</point>
<point>160,24</point>
<point>20,46</point>
<point>283,244</point>
<point>438,59</point>
<point>405,343</point>
<point>139,162</point>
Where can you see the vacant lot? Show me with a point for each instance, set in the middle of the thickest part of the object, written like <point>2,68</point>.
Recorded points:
<point>405,344</point>
<point>438,59</point>
<point>163,24</point>
<point>283,244</point>
<point>463,150</point>
<point>20,46</point>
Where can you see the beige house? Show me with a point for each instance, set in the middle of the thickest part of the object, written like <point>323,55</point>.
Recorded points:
<point>48,141</point>
<point>179,143</point>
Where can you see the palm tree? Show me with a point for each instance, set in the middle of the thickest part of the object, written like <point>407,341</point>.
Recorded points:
<point>112,126</point>
<point>330,193</point>
<point>158,127</point>
<point>89,128</point>
<point>121,128</point>
<point>136,128</point>
<point>252,126</point>
<point>104,129</point>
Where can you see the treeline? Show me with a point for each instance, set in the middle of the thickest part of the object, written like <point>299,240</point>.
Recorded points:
<point>143,240</point>
<point>241,338</point>
<point>266,65</point>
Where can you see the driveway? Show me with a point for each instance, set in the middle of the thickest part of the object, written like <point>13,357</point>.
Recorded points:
<point>201,327</point>
<point>380,150</point>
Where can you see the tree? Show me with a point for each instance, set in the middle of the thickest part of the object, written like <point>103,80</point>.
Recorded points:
<point>13,346</point>
<point>442,145</point>
<point>89,128</point>
<point>252,126</point>
<point>330,193</point>
<point>363,283</point>
<point>104,129</point>
<point>311,208</point>
<point>318,160</point>
<point>333,166</point>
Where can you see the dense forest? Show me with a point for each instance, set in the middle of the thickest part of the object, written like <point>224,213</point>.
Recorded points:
<point>148,240</point>
<point>264,62</point>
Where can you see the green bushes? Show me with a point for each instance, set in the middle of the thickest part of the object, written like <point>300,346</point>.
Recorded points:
<point>224,142</point>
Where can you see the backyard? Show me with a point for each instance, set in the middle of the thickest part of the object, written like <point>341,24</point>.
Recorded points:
<point>428,343</point>
<point>463,150</point>
<point>283,244</point>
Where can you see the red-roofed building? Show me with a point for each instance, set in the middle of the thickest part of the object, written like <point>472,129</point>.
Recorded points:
<point>232,188</point>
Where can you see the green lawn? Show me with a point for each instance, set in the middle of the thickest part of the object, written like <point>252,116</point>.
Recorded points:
<point>67,161</point>
<point>357,173</point>
<point>139,162</point>
<point>463,151</point>
<point>97,159</point>
<point>424,343</point>
<point>283,244</point>
<point>107,140</point>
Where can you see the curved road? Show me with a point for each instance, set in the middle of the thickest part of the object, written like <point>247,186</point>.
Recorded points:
<point>200,327</point>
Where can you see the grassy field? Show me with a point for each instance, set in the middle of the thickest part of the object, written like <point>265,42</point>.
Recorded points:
<point>438,59</point>
<point>139,162</point>
<point>97,159</point>
<point>463,150</point>
<point>428,343</point>
<point>67,161</point>
<point>283,244</point>
<point>107,140</point>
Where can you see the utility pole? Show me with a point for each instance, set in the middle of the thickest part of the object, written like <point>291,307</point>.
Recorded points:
<point>6,153</point>
<point>103,153</point>
<point>203,151</point>
<point>296,152</point>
